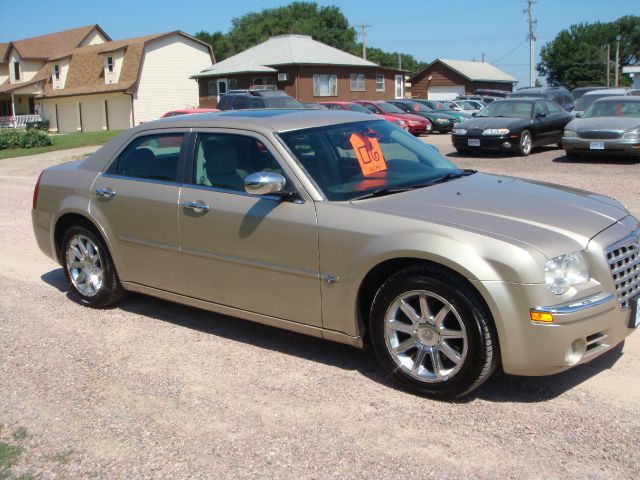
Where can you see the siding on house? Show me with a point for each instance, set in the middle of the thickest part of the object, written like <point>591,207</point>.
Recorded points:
<point>88,113</point>
<point>4,72</point>
<point>94,38</point>
<point>164,82</point>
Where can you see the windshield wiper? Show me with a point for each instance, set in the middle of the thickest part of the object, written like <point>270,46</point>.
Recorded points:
<point>381,192</point>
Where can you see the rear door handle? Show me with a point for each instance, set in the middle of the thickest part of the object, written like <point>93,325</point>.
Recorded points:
<point>197,207</point>
<point>105,192</point>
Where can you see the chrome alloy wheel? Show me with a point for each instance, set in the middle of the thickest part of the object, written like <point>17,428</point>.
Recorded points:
<point>85,265</point>
<point>526,143</point>
<point>425,336</point>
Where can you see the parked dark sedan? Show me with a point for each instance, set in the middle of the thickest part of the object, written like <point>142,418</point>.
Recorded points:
<point>441,122</point>
<point>512,125</point>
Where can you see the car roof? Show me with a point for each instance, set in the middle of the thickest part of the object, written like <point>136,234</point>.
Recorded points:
<point>263,120</point>
<point>612,91</point>
<point>620,98</point>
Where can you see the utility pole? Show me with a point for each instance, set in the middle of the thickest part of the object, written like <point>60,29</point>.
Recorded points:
<point>363,33</point>
<point>618,37</point>
<point>399,61</point>
<point>532,39</point>
<point>608,64</point>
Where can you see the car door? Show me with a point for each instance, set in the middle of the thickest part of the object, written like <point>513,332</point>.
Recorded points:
<point>135,200</point>
<point>558,118</point>
<point>540,124</point>
<point>254,253</point>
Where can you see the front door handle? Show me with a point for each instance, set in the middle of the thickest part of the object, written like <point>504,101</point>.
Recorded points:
<point>197,207</point>
<point>105,192</point>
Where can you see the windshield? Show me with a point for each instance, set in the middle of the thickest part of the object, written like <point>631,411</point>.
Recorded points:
<point>418,107</point>
<point>282,102</point>
<point>587,100</point>
<point>613,108</point>
<point>511,109</point>
<point>347,161</point>
<point>356,107</point>
<point>388,108</point>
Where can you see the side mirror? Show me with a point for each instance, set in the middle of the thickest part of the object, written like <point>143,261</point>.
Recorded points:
<point>578,114</point>
<point>540,115</point>
<point>474,114</point>
<point>264,183</point>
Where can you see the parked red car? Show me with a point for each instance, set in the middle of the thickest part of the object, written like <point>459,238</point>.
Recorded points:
<point>356,107</point>
<point>188,111</point>
<point>416,124</point>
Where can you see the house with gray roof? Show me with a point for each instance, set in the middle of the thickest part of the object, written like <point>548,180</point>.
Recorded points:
<point>445,79</point>
<point>304,68</point>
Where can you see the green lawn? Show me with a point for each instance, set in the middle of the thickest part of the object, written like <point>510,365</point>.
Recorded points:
<point>63,142</point>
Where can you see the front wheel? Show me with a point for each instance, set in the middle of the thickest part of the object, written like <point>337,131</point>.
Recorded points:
<point>432,333</point>
<point>525,144</point>
<point>89,268</point>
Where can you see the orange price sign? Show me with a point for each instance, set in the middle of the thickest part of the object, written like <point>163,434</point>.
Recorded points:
<point>369,155</point>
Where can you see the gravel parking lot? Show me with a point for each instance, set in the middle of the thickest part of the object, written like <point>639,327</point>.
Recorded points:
<point>156,390</point>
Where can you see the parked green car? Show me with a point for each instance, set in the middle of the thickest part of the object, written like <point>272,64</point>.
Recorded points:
<point>443,108</point>
<point>441,122</point>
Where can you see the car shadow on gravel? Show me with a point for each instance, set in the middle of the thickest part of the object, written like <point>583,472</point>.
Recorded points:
<point>597,160</point>
<point>499,388</point>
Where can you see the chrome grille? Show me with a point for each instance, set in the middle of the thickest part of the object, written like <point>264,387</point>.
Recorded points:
<point>623,258</point>
<point>600,134</point>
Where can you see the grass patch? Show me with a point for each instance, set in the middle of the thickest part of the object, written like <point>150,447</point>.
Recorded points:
<point>9,455</point>
<point>63,456</point>
<point>19,434</point>
<point>64,142</point>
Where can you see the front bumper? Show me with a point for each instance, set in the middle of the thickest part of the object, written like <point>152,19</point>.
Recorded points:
<point>442,127</point>
<point>582,146</point>
<point>504,143</point>
<point>419,129</point>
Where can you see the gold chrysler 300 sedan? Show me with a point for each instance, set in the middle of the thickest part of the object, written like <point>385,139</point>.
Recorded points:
<point>348,228</point>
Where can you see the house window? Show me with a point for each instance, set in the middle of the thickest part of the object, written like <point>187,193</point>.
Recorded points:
<point>212,88</point>
<point>233,84</point>
<point>56,72</point>
<point>325,85</point>
<point>110,64</point>
<point>380,82</point>
<point>357,82</point>
<point>16,70</point>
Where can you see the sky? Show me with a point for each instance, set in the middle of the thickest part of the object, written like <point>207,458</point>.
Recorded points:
<point>426,29</point>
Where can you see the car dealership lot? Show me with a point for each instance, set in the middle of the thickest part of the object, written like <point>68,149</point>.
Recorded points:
<point>155,389</point>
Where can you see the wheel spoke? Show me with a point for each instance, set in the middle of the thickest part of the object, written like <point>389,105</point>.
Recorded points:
<point>437,362</point>
<point>404,346</point>
<point>76,264</point>
<point>447,334</point>
<point>450,353</point>
<point>400,327</point>
<point>76,252</point>
<point>440,316</point>
<point>409,311</point>
<point>425,312</point>
<point>83,248</point>
<point>419,359</point>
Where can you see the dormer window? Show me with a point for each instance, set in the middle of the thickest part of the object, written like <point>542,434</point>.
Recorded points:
<point>56,72</point>
<point>110,64</point>
<point>16,70</point>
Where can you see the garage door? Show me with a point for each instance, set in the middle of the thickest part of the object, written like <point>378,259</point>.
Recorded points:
<point>448,92</point>
<point>67,118</point>
<point>119,113</point>
<point>91,116</point>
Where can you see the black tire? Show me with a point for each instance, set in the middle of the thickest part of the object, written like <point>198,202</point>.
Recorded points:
<point>525,147</point>
<point>109,290</point>
<point>572,156</point>
<point>463,151</point>
<point>475,364</point>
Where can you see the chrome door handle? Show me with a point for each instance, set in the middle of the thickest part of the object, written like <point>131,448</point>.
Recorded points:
<point>197,207</point>
<point>105,192</point>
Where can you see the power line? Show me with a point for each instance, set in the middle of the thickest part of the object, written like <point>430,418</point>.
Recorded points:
<point>510,52</point>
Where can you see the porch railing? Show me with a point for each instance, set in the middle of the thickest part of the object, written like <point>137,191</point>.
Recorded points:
<point>18,121</point>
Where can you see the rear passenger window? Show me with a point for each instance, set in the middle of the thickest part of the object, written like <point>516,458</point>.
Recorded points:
<point>153,157</point>
<point>553,108</point>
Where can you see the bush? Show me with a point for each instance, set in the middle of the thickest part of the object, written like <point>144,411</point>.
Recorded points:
<point>35,138</point>
<point>10,138</point>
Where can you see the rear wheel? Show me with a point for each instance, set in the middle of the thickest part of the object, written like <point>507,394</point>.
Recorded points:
<point>89,268</point>
<point>432,333</point>
<point>525,145</point>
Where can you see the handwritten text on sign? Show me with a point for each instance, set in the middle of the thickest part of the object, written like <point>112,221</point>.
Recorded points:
<point>369,154</point>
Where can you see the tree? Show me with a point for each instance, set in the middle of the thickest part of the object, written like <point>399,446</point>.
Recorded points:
<point>325,24</point>
<point>578,56</point>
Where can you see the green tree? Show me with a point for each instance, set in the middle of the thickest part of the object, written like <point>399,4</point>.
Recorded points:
<point>578,56</point>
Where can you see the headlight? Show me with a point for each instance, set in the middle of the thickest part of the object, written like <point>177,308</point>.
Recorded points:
<point>459,131</point>
<point>569,133</point>
<point>496,131</point>
<point>632,135</point>
<point>564,271</point>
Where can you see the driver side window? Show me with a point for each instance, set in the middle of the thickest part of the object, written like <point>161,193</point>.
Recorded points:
<point>225,160</point>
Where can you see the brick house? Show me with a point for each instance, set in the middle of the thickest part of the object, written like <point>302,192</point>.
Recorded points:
<point>304,68</point>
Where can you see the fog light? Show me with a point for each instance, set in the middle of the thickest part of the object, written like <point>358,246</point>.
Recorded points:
<point>544,317</point>
<point>506,144</point>
<point>575,351</point>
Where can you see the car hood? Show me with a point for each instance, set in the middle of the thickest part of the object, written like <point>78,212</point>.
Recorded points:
<point>493,122</point>
<point>552,218</point>
<point>407,116</point>
<point>604,123</point>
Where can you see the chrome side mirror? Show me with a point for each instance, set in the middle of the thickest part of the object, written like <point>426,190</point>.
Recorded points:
<point>264,183</point>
